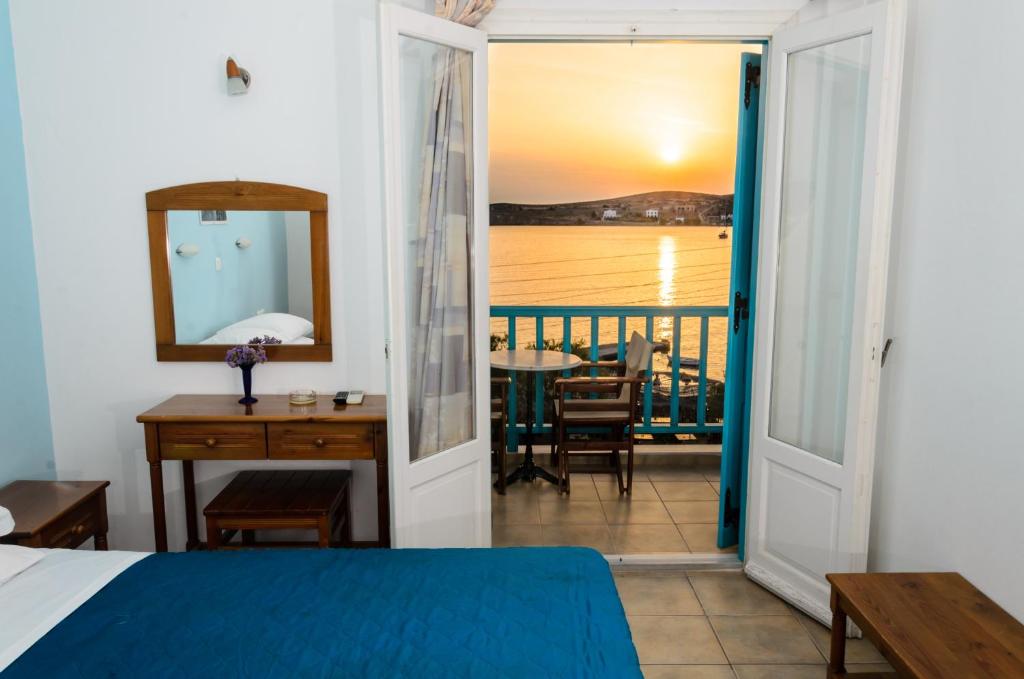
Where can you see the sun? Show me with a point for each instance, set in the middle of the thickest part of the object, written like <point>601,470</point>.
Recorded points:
<point>670,153</point>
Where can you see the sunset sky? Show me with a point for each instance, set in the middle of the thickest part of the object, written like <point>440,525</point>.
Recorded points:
<point>571,122</point>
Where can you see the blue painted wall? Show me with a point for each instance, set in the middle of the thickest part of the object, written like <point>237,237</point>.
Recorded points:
<point>206,300</point>
<point>26,443</point>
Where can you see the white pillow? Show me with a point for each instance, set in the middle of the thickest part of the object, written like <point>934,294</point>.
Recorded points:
<point>6,521</point>
<point>285,327</point>
<point>231,335</point>
<point>15,559</point>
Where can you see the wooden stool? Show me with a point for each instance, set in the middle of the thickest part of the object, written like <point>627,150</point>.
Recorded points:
<point>273,499</point>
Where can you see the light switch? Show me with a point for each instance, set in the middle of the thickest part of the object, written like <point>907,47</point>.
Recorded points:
<point>218,264</point>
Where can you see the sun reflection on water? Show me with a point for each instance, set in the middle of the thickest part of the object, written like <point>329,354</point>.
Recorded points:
<point>666,277</point>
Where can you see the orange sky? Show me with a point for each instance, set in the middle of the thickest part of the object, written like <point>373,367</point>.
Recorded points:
<point>580,121</point>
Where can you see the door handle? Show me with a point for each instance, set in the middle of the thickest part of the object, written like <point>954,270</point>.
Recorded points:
<point>740,311</point>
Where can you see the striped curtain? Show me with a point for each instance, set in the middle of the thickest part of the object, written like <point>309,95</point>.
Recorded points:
<point>441,403</point>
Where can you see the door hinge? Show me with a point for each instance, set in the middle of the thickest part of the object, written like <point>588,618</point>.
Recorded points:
<point>731,514</point>
<point>387,350</point>
<point>752,80</point>
<point>885,352</point>
<point>740,311</point>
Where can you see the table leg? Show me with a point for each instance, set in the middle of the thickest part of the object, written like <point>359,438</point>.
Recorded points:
<point>188,478</point>
<point>528,470</point>
<point>380,450</point>
<point>99,540</point>
<point>156,485</point>
<point>837,651</point>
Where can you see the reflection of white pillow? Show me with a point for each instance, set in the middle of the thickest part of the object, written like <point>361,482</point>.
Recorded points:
<point>285,327</point>
<point>15,559</point>
<point>6,521</point>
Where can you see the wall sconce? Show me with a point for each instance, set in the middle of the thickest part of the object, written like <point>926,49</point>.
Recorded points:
<point>187,250</point>
<point>238,78</point>
<point>243,243</point>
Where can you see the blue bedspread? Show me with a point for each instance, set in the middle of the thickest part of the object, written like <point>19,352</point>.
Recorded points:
<point>524,612</point>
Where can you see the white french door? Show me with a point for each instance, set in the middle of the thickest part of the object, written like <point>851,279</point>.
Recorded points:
<point>827,202</point>
<point>434,75</point>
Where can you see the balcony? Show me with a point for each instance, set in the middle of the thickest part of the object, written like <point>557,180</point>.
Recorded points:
<point>683,402</point>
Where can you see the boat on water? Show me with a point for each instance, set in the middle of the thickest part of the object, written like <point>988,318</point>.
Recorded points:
<point>723,234</point>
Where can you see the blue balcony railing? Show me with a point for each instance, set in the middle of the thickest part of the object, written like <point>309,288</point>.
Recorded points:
<point>670,319</point>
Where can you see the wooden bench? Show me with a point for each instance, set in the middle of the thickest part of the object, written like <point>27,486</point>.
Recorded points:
<point>279,499</point>
<point>927,625</point>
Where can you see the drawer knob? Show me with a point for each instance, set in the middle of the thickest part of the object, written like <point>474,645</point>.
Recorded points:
<point>78,530</point>
<point>319,443</point>
<point>210,443</point>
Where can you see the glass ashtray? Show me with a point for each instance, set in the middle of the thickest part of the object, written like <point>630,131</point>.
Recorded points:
<point>302,397</point>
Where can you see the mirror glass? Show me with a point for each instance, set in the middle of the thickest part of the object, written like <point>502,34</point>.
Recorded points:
<point>236,275</point>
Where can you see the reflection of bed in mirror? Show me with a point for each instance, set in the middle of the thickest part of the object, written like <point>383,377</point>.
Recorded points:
<point>232,261</point>
<point>252,265</point>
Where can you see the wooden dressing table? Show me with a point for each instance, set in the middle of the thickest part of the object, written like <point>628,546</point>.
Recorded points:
<point>217,427</point>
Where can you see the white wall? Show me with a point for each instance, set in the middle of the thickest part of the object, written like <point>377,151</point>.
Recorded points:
<point>121,97</point>
<point>950,466</point>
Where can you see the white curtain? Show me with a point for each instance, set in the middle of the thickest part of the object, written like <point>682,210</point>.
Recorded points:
<point>441,403</point>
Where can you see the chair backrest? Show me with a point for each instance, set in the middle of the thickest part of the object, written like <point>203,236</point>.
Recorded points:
<point>638,357</point>
<point>638,354</point>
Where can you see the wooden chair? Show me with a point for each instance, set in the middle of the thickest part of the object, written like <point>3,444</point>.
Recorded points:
<point>614,411</point>
<point>499,429</point>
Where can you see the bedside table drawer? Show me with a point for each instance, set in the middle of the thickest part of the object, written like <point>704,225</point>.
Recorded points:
<point>327,441</point>
<point>73,528</point>
<point>225,441</point>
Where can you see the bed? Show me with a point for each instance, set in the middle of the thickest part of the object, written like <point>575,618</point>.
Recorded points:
<point>516,612</point>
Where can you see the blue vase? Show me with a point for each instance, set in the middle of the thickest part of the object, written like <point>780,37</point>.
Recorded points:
<point>248,399</point>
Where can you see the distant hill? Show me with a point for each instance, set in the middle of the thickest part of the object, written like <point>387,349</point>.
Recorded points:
<point>685,208</point>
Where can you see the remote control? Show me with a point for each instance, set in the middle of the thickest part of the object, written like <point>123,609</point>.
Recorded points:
<point>352,398</point>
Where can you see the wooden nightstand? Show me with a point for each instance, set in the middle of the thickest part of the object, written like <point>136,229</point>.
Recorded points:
<point>55,514</point>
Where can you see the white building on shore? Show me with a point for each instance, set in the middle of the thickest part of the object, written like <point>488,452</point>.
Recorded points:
<point>610,213</point>
<point>652,213</point>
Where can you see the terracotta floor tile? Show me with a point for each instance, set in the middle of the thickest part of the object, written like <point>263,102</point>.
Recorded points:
<point>649,594</point>
<point>635,511</point>
<point>779,671</point>
<point>565,511</point>
<point>608,489</point>
<point>595,537</point>
<point>765,639</point>
<point>685,491</point>
<point>675,640</point>
<point>693,512</point>
<point>516,535</point>
<point>701,538</point>
<point>687,672</point>
<point>857,650</point>
<point>734,594</point>
<point>638,538</point>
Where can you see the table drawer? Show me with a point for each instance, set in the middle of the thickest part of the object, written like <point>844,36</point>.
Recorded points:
<point>73,528</point>
<point>326,441</point>
<point>222,441</point>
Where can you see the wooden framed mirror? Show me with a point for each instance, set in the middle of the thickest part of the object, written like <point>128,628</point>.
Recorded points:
<point>235,260</point>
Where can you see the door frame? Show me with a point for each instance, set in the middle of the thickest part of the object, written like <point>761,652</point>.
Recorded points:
<point>653,22</point>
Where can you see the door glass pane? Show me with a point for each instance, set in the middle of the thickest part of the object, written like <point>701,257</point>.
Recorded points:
<point>823,158</point>
<point>436,120</point>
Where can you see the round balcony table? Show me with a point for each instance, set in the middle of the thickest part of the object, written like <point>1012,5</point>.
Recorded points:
<point>531,362</point>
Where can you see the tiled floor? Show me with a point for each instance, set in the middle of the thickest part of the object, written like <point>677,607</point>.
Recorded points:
<point>719,625</point>
<point>672,509</point>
